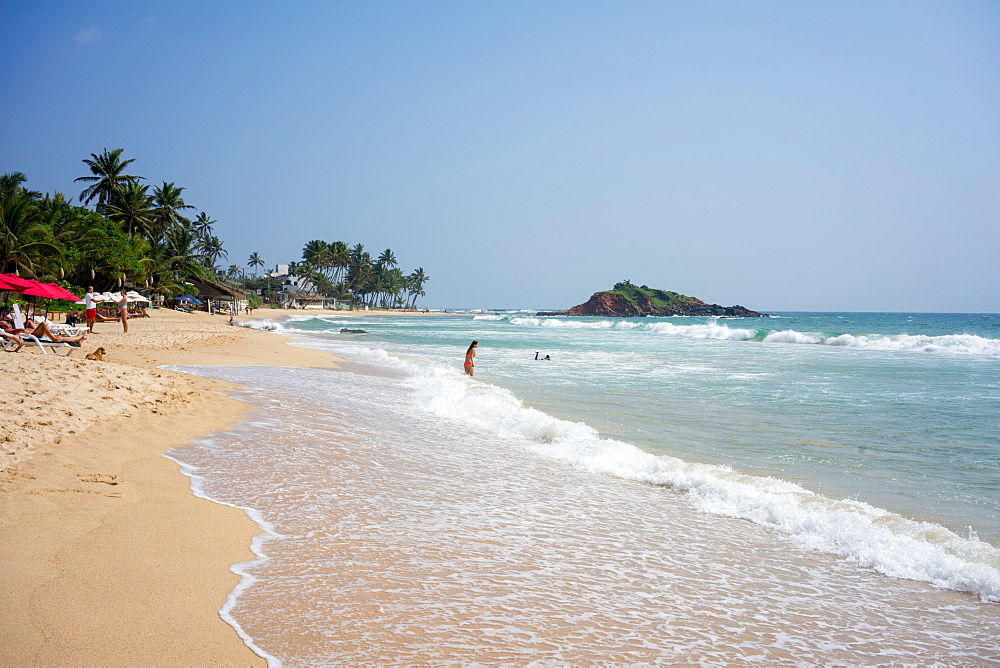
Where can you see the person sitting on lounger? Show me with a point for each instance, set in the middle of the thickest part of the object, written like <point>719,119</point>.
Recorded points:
<point>7,325</point>
<point>41,330</point>
<point>12,337</point>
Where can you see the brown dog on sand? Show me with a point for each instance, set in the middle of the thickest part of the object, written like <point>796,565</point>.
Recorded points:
<point>97,354</point>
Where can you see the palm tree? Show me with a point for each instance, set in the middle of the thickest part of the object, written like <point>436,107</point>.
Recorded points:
<point>233,271</point>
<point>387,259</point>
<point>393,283</point>
<point>340,259</point>
<point>317,255</point>
<point>11,184</point>
<point>23,236</point>
<point>356,253</point>
<point>171,260</point>
<point>132,209</point>
<point>340,292</point>
<point>203,225</point>
<point>213,250</point>
<point>415,285</point>
<point>169,203</point>
<point>254,262</point>
<point>184,256</point>
<point>107,178</point>
<point>361,273</point>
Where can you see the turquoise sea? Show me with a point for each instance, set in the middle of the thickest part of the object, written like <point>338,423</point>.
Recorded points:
<point>813,487</point>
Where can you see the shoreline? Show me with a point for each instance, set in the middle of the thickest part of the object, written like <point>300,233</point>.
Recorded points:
<point>109,555</point>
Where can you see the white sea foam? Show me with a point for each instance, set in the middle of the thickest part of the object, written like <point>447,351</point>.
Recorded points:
<point>870,536</point>
<point>710,330</point>
<point>565,324</point>
<point>241,569</point>
<point>967,344</point>
<point>960,344</point>
<point>791,336</point>
<point>266,325</point>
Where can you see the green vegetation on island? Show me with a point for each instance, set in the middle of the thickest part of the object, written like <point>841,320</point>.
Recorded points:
<point>628,300</point>
<point>657,299</point>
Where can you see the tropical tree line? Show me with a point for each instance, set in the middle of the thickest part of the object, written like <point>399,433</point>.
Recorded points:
<point>349,274</point>
<point>136,234</point>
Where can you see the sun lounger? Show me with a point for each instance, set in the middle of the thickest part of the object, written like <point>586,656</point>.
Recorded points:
<point>67,330</point>
<point>45,343</point>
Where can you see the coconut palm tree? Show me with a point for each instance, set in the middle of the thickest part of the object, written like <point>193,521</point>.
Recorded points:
<point>255,262</point>
<point>361,273</point>
<point>203,225</point>
<point>387,259</point>
<point>169,204</point>
<point>316,254</point>
<point>132,209</point>
<point>212,249</point>
<point>415,285</point>
<point>393,283</point>
<point>171,260</point>
<point>340,259</point>
<point>185,256</point>
<point>23,237</point>
<point>13,182</point>
<point>107,177</point>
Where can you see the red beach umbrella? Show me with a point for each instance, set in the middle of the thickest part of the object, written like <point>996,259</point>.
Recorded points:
<point>62,293</point>
<point>14,283</point>
<point>40,290</point>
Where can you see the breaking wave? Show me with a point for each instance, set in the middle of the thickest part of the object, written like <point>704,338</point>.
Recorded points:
<point>959,344</point>
<point>856,531</point>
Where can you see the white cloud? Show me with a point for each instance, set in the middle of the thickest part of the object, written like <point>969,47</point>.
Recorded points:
<point>89,35</point>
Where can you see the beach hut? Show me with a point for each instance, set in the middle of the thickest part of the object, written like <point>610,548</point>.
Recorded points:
<point>218,296</point>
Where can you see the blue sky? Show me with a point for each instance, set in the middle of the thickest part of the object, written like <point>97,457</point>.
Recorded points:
<point>780,155</point>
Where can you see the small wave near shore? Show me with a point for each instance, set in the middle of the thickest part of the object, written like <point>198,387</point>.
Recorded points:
<point>854,530</point>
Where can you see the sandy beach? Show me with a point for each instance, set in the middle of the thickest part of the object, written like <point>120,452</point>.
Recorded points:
<point>108,557</point>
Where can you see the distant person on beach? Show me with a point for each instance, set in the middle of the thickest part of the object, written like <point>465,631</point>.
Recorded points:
<point>90,309</point>
<point>232,321</point>
<point>71,318</point>
<point>470,354</point>
<point>543,359</point>
<point>123,311</point>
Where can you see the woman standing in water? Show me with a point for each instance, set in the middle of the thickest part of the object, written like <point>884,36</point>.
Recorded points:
<point>470,366</point>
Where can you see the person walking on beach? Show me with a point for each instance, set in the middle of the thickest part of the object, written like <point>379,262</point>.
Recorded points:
<point>90,309</point>
<point>123,311</point>
<point>470,366</point>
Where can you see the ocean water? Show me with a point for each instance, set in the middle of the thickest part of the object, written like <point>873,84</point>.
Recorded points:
<point>806,488</point>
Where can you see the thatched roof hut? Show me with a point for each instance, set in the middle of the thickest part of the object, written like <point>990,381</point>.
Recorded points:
<point>210,290</point>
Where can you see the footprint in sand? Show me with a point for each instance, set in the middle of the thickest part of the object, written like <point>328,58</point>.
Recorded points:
<point>106,478</point>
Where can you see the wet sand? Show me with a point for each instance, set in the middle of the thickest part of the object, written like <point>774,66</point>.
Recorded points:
<point>108,557</point>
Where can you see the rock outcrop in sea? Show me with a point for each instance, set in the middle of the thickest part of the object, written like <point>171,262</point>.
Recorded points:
<point>630,301</point>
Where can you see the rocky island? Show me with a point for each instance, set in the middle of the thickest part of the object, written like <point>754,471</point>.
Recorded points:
<point>630,301</point>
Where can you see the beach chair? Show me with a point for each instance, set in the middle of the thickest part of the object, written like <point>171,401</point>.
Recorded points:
<point>67,330</point>
<point>45,343</point>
